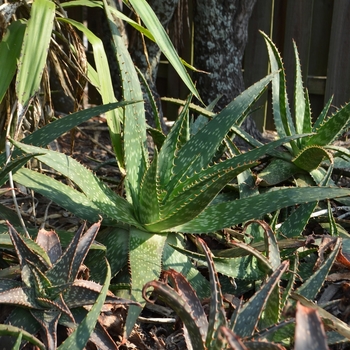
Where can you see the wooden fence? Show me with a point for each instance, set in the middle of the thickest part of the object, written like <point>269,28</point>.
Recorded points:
<point>321,30</point>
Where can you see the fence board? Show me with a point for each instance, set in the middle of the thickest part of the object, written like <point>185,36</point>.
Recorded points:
<point>255,56</point>
<point>298,28</point>
<point>338,74</point>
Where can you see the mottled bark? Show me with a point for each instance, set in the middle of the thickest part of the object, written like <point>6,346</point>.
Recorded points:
<point>220,37</point>
<point>148,61</point>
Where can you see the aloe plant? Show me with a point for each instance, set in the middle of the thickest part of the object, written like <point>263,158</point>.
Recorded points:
<point>308,155</point>
<point>50,292</point>
<point>215,331</point>
<point>176,190</point>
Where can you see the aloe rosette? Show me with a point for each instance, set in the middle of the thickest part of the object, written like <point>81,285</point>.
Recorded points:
<point>312,155</point>
<point>50,292</point>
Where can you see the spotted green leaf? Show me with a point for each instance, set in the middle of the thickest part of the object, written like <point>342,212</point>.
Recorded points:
<point>248,316</point>
<point>311,286</point>
<point>81,335</point>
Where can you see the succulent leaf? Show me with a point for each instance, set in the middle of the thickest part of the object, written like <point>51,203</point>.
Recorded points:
<point>281,112</point>
<point>301,107</point>
<point>174,259</point>
<point>50,242</point>
<point>233,341</point>
<point>277,171</point>
<point>70,199</point>
<point>293,268</point>
<point>217,314</point>
<point>271,244</point>
<point>331,128</point>
<point>322,117</point>
<point>189,198</point>
<point>117,241</point>
<point>20,296</point>
<point>65,270</point>
<point>226,214</point>
<point>6,284</point>
<point>330,320</point>
<point>81,335</point>
<point>246,267</point>
<point>309,330</point>
<point>176,138</point>
<point>48,133</point>
<point>26,254</point>
<point>102,196</point>
<point>311,157</point>
<point>215,131</point>
<point>183,299</point>
<point>310,287</point>
<point>13,166</point>
<point>100,337</point>
<point>150,194</point>
<point>294,225</point>
<point>48,320</point>
<point>145,259</point>
<point>6,330</point>
<point>192,200</point>
<point>82,293</point>
<point>249,315</point>
<point>135,146</point>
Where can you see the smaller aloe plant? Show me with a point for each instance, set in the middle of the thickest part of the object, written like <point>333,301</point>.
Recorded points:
<point>305,155</point>
<point>50,292</point>
<point>216,331</point>
<point>252,325</point>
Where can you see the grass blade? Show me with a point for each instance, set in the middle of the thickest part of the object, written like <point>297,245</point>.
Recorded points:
<point>153,24</point>
<point>10,48</point>
<point>105,87</point>
<point>34,52</point>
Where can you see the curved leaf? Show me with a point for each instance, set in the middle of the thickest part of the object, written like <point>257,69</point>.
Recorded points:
<point>184,301</point>
<point>249,315</point>
<point>153,24</point>
<point>311,157</point>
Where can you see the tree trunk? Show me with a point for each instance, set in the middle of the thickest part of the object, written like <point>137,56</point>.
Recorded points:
<point>220,37</point>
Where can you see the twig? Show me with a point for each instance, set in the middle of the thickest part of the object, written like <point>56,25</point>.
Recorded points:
<point>45,215</point>
<point>156,320</point>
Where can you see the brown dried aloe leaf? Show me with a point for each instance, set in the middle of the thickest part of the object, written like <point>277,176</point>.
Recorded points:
<point>309,330</point>
<point>50,242</point>
<point>233,341</point>
<point>329,320</point>
<point>184,301</point>
<point>217,315</point>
